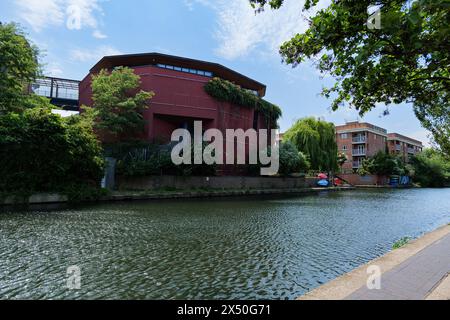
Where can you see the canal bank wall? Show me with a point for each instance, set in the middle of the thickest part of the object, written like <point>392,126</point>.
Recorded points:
<point>136,195</point>
<point>222,182</point>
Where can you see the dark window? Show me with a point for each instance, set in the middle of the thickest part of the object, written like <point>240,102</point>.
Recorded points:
<point>187,70</point>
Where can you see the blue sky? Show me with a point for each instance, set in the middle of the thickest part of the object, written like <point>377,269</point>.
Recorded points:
<point>74,34</point>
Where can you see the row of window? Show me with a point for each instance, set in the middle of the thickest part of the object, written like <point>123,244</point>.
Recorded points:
<point>360,137</point>
<point>186,70</point>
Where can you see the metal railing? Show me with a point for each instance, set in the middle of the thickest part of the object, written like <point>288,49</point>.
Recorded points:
<point>359,139</point>
<point>359,152</point>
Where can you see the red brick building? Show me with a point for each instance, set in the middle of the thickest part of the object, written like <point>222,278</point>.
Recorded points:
<point>180,98</point>
<point>361,140</point>
<point>403,146</point>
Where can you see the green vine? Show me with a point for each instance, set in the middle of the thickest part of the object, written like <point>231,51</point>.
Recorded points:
<point>224,90</point>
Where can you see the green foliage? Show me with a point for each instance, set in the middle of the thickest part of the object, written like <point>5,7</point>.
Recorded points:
<point>18,68</point>
<point>42,152</point>
<point>317,140</point>
<point>431,169</point>
<point>141,159</point>
<point>341,158</point>
<point>118,102</point>
<point>407,60</point>
<point>383,164</point>
<point>224,90</point>
<point>401,242</point>
<point>291,160</point>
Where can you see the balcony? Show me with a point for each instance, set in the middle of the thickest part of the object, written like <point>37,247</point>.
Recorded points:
<point>411,150</point>
<point>359,152</point>
<point>359,139</point>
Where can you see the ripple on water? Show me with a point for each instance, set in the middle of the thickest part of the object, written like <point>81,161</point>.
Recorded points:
<point>215,249</point>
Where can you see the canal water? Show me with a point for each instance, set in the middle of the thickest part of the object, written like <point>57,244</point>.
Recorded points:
<point>255,248</point>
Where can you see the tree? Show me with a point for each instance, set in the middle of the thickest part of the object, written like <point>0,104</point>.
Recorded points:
<point>317,140</point>
<point>431,169</point>
<point>406,60</point>
<point>43,152</point>
<point>118,102</point>
<point>19,67</point>
<point>383,164</point>
<point>291,160</point>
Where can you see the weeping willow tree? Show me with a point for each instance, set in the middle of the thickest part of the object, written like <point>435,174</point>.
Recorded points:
<point>316,139</point>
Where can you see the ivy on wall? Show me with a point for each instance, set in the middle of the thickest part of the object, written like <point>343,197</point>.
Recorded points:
<point>224,90</point>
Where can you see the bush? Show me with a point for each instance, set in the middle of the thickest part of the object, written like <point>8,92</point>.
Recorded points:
<point>291,160</point>
<point>431,169</point>
<point>141,159</point>
<point>383,164</point>
<point>42,152</point>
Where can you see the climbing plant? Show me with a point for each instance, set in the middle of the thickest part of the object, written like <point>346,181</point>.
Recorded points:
<point>225,90</point>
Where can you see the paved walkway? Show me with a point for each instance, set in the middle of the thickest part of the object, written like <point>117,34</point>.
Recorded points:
<point>413,279</point>
<point>419,270</point>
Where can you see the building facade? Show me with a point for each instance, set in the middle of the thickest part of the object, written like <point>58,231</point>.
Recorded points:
<point>403,146</point>
<point>362,140</point>
<point>180,98</point>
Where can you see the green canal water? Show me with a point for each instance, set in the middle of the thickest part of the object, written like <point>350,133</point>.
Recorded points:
<point>255,248</point>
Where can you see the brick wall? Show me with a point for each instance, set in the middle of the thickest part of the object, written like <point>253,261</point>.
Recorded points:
<point>369,180</point>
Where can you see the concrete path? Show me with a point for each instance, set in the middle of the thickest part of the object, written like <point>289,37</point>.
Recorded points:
<point>413,279</point>
<point>420,270</point>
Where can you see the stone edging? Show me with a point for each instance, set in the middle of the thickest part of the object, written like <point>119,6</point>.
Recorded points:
<point>348,283</point>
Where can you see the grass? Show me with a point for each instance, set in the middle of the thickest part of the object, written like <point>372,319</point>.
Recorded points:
<point>401,242</point>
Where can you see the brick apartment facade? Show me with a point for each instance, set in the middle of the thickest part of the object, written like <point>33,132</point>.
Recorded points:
<point>362,140</point>
<point>403,146</point>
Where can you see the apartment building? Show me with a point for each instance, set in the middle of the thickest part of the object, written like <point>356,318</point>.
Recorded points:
<point>403,146</point>
<point>362,140</point>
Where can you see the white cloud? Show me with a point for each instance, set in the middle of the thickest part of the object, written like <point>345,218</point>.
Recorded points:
<point>53,70</point>
<point>241,31</point>
<point>99,35</point>
<point>422,135</point>
<point>92,55</point>
<point>40,13</point>
<point>76,14</point>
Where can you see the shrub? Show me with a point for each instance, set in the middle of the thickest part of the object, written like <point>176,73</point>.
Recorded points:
<point>150,159</point>
<point>383,164</point>
<point>42,152</point>
<point>291,160</point>
<point>431,169</point>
